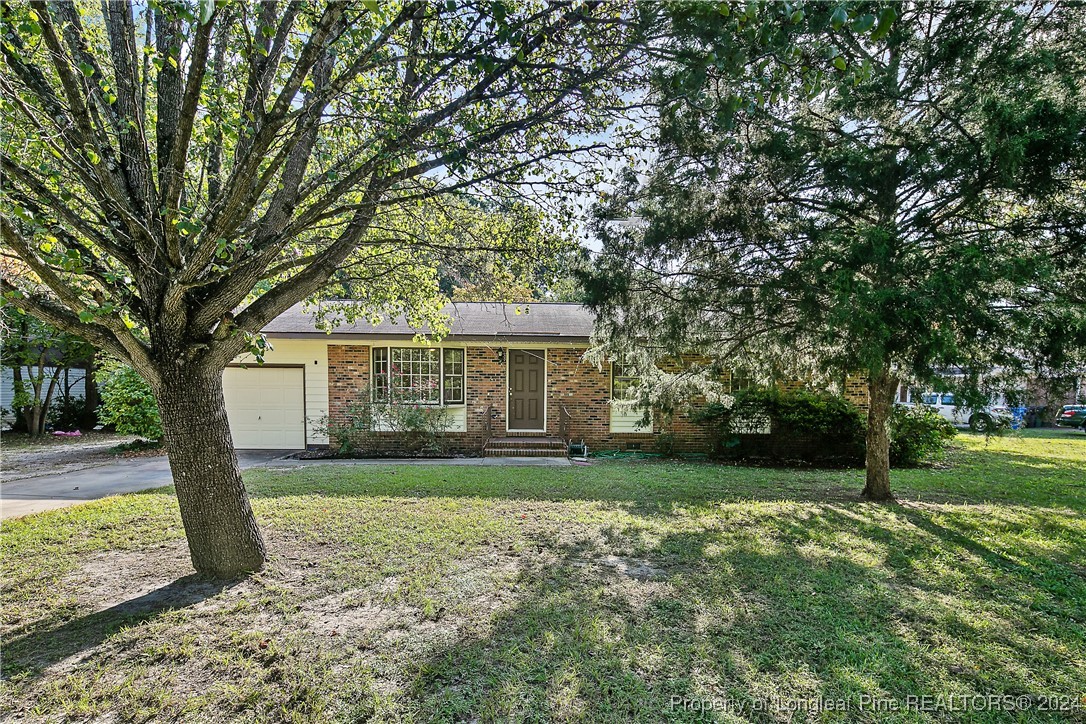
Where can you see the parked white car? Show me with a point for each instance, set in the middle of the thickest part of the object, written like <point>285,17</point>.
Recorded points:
<point>980,419</point>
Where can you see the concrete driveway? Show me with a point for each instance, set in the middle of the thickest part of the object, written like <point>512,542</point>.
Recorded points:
<point>47,492</point>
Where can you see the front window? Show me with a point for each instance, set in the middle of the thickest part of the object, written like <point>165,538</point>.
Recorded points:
<point>380,374</point>
<point>624,380</point>
<point>740,380</point>
<point>452,363</point>
<point>415,375</point>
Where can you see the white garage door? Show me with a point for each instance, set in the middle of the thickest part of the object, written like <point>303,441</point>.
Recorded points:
<point>266,406</point>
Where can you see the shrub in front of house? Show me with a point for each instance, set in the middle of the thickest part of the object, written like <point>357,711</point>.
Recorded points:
<point>808,427</point>
<point>67,413</point>
<point>777,426</point>
<point>918,434</point>
<point>372,429</point>
<point>127,402</point>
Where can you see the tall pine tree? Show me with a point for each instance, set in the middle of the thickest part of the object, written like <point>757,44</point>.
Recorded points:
<point>881,188</point>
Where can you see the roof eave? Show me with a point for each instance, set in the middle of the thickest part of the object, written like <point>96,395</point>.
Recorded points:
<point>385,337</point>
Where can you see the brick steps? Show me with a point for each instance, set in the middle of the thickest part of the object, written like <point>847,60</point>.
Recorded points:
<point>525,446</point>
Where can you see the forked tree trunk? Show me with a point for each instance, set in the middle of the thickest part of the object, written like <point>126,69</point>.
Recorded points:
<point>36,413</point>
<point>881,389</point>
<point>223,536</point>
<point>47,401</point>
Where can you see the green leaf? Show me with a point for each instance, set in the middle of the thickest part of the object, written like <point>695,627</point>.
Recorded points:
<point>87,68</point>
<point>839,63</point>
<point>886,21</point>
<point>839,17</point>
<point>86,317</point>
<point>207,9</point>
<point>863,23</point>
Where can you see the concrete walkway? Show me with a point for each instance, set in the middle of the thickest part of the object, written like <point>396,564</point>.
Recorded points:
<point>48,492</point>
<point>529,462</point>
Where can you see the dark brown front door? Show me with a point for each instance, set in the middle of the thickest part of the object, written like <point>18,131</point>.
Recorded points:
<point>527,389</point>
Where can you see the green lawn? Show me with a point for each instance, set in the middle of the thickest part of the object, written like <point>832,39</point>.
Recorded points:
<point>592,593</point>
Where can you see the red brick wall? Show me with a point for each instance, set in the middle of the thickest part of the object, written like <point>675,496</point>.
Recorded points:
<point>585,391</point>
<point>856,391</point>
<point>348,377</point>
<point>484,386</point>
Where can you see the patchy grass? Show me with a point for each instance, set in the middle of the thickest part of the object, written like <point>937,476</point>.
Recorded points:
<point>591,593</point>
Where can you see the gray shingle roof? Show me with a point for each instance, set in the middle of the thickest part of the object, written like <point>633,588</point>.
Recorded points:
<point>470,320</point>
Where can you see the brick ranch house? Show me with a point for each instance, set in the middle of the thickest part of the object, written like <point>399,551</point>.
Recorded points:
<point>511,383</point>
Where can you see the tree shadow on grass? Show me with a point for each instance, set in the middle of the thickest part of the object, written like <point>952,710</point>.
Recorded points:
<point>590,641</point>
<point>785,612</point>
<point>657,487</point>
<point>30,650</point>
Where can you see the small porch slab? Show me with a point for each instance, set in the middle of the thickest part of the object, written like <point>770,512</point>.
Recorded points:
<point>525,446</point>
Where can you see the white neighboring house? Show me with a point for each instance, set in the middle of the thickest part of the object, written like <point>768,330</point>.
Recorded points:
<point>948,408</point>
<point>73,379</point>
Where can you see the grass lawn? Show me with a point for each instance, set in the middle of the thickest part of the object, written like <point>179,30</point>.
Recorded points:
<point>592,593</point>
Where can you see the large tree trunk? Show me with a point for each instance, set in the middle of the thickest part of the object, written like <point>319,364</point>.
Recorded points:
<point>223,536</point>
<point>881,389</point>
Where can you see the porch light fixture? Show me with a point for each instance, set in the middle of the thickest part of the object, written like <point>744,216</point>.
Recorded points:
<point>501,355</point>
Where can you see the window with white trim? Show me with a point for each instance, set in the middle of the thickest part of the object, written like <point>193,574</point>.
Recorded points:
<point>418,375</point>
<point>452,376</point>
<point>739,380</point>
<point>380,374</point>
<point>624,380</point>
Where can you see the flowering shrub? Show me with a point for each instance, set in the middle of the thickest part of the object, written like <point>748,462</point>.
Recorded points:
<point>388,425</point>
<point>423,427</point>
